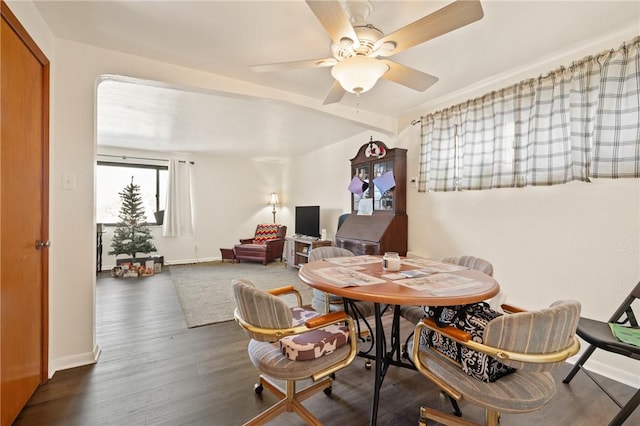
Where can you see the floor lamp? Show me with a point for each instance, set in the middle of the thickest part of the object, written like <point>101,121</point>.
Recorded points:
<point>273,202</point>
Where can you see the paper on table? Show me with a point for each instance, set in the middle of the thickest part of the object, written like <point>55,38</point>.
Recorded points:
<point>354,260</point>
<point>393,276</point>
<point>414,273</point>
<point>340,276</point>
<point>442,284</point>
<point>431,266</point>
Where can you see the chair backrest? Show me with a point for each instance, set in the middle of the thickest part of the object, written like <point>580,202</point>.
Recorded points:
<point>327,252</point>
<point>636,291</point>
<point>322,301</point>
<point>342,218</point>
<point>470,261</point>
<point>627,308</point>
<point>260,309</point>
<point>535,332</point>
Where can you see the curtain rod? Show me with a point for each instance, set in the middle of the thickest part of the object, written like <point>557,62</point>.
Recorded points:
<point>414,122</point>
<point>124,157</point>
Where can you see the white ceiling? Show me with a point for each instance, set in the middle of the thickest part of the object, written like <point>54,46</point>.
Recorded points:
<point>225,37</point>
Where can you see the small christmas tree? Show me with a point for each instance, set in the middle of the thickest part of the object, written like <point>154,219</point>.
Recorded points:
<point>132,234</point>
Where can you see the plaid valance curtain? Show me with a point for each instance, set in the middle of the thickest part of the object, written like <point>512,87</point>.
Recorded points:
<point>571,124</point>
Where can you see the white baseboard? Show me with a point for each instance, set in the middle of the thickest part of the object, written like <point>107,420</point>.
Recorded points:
<point>190,261</point>
<point>175,262</point>
<point>629,378</point>
<point>72,361</point>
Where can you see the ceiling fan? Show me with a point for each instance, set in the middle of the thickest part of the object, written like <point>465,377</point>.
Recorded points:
<point>359,48</point>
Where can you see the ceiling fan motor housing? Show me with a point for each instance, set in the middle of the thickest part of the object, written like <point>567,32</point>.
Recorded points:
<point>368,35</point>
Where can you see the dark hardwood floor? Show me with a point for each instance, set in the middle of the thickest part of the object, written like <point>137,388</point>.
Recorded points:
<point>155,371</point>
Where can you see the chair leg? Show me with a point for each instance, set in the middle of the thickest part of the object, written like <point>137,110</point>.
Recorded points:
<point>578,365</point>
<point>269,414</point>
<point>491,418</point>
<point>455,408</point>
<point>290,401</point>
<point>441,417</point>
<point>312,389</point>
<point>273,388</point>
<point>626,411</point>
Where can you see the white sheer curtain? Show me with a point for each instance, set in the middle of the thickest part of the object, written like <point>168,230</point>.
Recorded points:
<point>177,216</point>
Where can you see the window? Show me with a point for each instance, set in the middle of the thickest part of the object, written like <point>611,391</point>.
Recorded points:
<point>111,178</point>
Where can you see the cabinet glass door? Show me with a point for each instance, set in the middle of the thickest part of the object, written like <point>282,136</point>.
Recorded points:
<point>382,201</point>
<point>361,172</point>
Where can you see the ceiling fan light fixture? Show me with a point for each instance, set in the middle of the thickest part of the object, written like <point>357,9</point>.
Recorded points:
<point>358,74</point>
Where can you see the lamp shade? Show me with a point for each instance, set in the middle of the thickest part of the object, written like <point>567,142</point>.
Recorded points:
<point>274,199</point>
<point>385,182</point>
<point>358,74</point>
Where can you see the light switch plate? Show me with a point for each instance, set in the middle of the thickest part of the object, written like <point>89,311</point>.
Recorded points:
<point>69,181</point>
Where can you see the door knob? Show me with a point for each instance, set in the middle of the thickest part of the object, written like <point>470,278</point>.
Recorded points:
<point>43,244</point>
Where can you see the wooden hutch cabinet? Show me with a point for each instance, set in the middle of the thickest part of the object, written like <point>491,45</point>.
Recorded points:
<point>378,220</point>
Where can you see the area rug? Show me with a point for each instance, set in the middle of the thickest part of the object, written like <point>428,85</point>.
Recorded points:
<point>205,292</point>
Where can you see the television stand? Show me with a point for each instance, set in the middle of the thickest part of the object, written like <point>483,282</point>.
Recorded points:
<point>305,238</point>
<point>297,249</point>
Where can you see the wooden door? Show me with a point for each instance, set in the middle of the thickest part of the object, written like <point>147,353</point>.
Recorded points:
<point>24,88</point>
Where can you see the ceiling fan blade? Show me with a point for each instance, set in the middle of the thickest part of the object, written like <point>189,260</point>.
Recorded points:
<point>334,20</point>
<point>410,77</point>
<point>295,65</point>
<point>451,17</point>
<point>335,94</point>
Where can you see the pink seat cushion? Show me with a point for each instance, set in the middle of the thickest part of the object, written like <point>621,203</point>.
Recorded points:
<point>313,344</point>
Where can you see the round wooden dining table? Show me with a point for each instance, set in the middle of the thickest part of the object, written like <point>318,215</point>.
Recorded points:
<point>363,278</point>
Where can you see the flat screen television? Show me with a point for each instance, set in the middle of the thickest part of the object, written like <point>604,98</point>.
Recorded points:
<point>308,221</point>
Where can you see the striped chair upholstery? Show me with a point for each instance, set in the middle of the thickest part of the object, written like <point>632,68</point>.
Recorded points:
<point>258,310</point>
<point>472,262</point>
<point>413,314</point>
<point>531,386</point>
<point>325,302</point>
<point>534,332</point>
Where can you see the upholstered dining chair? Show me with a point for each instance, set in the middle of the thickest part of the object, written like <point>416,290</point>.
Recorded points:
<point>413,314</point>
<point>599,336</point>
<point>325,302</point>
<point>292,344</point>
<point>532,342</point>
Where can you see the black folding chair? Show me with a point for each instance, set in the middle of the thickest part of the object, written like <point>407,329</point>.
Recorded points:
<point>599,336</point>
